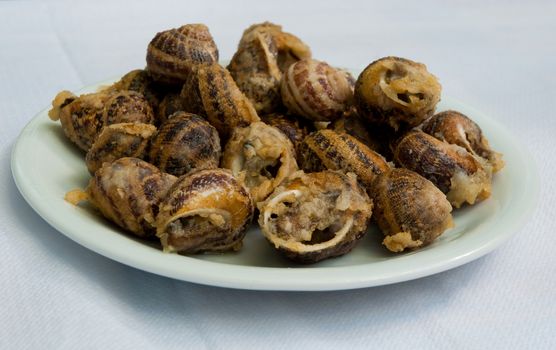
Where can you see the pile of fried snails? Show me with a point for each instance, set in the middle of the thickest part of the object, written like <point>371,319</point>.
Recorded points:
<point>188,151</point>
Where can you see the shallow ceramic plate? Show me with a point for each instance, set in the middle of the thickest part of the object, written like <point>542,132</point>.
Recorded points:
<point>46,165</point>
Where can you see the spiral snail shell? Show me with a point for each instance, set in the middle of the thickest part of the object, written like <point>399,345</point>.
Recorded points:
<point>183,143</point>
<point>127,107</point>
<point>173,54</point>
<point>327,149</point>
<point>118,141</point>
<point>205,211</point>
<point>212,92</point>
<point>410,211</point>
<point>456,128</point>
<point>462,176</point>
<point>127,192</point>
<point>316,91</point>
<point>140,81</point>
<point>311,217</point>
<point>261,157</point>
<point>396,91</point>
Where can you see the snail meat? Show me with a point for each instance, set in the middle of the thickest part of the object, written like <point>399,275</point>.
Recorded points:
<point>261,157</point>
<point>205,211</point>
<point>173,54</point>
<point>311,217</point>
<point>462,176</point>
<point>316,91</point>
<point>456,128</point>
<point>183,143</point>
<point>128,192</point>
<point>212,92</point>
<point>396,91</point>
<point>118,141</point>
<point>410,211</point>
<point>327,149</point>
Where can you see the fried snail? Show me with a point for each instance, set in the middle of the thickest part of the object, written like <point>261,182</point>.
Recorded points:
<point>118,141</point>
<point>139,80</point>
<point>183,143</point>
<point>410,210</point>
<point>170,104</point>
<point>263,53</point>
<point>212,92</point>
<point>173,54</point>
<point>456,128</point>
<point>396,91</point>
<point>261,157</point>
<point>83,117</point>
<point>316,91</point>
<point>296,129</point>
<point>350,123</point>
<point>327,149</point>
<point>462,176</point>
<point>205,211</point>
<point>315,216</point>
<point>128,192</point>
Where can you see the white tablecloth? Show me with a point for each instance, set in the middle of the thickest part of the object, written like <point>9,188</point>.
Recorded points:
<point>496,56</point>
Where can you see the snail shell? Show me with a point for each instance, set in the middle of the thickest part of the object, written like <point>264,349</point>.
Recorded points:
<point>256,73</point>
<point>212,92</point>
<point>311,217</point>
<point>118,141</point>
<point>456,128</point>
<point>396,91</point>
<point>462,176</point>
<point>327,149</point>
<point>205,211</point>
<point>290,48</point>
<point>316,91</point>
<point>140,81</point>
<point>128,107</point>
<point>410,211</point>
<point>353,125</point>
<point>127,192</point>
<point>173,54</point>
<point>170,104</point>
<point>81,117</point>
<point>261,157</point>
<point>183,143</point>
<point>296,129</point>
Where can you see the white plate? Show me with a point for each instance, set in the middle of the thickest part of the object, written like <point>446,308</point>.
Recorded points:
<point>46,165</point>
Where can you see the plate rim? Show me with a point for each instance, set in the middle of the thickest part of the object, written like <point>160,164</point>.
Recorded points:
<point>289,278</point>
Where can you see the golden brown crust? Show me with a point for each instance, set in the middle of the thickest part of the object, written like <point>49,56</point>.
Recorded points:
<point>205,211</point>
<point>118,141</point>
<point>311,217</point>
<point>456,128</point>
<point>184,143</point>
<point>459,174</point>
<point>396,91</point>
<point>212,92</point>
<point>173,54</point>
<point>127,192</point>
<point>409,210</point>
<point>327,149</point>
<point>261,157</point>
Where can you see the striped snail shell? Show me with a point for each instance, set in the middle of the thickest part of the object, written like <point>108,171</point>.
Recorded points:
<point>410,211</point>
<point>396,91</point>
<point>462,176</point>
<point>316,91</point>
<point>170,104</point>
<point>212,92</point>
<point>140,81</point>
<point>261,157</point>
<point>255,70</point>
<point>327,149</point>
<point>81,117</point>
<point>127,192</point>
<point>128,107</point>
<point>456,128</point>
<point>311,217</point>
<point>295,128</point>
<point>118,141</point>
<point>183,143</point>
<point>173,54</point>
<point>205,211</point>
